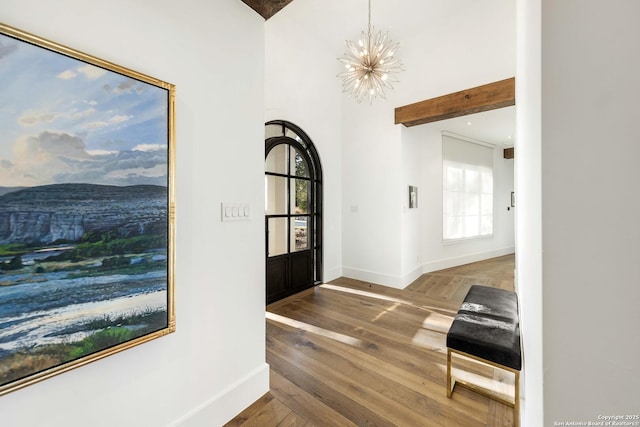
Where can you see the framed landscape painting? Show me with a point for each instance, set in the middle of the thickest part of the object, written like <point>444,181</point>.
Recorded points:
<point>87,208</point>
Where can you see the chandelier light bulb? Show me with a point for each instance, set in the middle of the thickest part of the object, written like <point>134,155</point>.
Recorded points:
<point>372,67</point>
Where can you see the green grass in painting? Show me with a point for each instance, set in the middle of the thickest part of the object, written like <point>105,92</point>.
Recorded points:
<point>12,249</point>
<point>100,340</point>
<point>108,246</point>
<point>131,255</point>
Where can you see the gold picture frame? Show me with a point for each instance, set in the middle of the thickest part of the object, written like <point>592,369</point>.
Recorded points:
<point>87,209</point>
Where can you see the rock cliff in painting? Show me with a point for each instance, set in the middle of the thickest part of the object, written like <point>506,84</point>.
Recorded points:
<point>65,212</point>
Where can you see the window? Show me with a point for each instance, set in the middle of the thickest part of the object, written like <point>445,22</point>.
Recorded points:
<point>467,189</point>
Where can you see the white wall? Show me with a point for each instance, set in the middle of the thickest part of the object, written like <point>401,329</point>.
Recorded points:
<point>466,45</point>
<point>214,365</point>
<point>423,250</point>
<point>529,210</point>
<point>419,166</point>
<point>590,208</point>
<point>371,193</point>
<point>300,87</point>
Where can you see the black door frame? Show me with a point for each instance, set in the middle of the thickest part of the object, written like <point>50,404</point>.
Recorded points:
<point>291,135</point>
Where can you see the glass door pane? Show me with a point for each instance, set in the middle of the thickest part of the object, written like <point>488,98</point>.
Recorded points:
<point>277,159</point>
<point>300,197</point>
<point>299,166</point>
<point>299,233</point>
<point>277,233</point>
<point>276,195</point>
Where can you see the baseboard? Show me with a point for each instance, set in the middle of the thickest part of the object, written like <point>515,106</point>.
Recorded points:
<point>372,277</point>
<point>332,274</point>
<point>401,282</point>
<point>407,279</point>
<point>466,259</point>
<point>222,407</point>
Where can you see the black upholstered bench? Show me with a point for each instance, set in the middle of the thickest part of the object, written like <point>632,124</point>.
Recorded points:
<point>487,328</point>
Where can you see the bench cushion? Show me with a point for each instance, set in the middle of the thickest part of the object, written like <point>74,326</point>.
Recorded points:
<point>487,326</point>
<point>491,302</point>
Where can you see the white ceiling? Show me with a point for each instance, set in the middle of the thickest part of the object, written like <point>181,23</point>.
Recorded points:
<point>495,126</point>
<point>338,20</point>
<point>334,21</point>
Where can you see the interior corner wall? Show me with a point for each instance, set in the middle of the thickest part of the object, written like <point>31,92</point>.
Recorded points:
<point>213,366</point>
<point>590,209</point>
<point>529,211</point>
<point>423,249</point>
<point>372,197</point>
<point>417,164</point>
<point>301,87</point>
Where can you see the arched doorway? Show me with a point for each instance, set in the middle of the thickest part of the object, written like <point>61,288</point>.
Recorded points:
<point>293,211</point>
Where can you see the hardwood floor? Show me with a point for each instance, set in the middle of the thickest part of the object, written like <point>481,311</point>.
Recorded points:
<point>350,353</point>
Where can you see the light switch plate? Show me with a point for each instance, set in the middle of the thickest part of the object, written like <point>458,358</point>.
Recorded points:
<point>235,211</point>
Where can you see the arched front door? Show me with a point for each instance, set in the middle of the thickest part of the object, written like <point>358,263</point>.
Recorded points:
<point>293,211</point>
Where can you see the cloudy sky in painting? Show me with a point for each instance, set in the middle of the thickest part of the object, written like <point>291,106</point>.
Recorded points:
<point>65,121</point>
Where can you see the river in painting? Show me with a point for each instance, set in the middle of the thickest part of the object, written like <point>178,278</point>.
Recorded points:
<point>67,311</point>
<point>50,308</point>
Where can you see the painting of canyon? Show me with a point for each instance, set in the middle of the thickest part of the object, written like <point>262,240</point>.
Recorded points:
<point>85,234</point>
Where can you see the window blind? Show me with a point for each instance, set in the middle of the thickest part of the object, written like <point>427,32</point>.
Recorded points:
<point>467,189</point>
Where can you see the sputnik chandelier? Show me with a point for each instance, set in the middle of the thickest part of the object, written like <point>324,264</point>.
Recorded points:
<point>370,65</point>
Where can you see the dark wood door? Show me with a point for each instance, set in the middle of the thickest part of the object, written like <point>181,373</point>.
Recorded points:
<point>288,274</point>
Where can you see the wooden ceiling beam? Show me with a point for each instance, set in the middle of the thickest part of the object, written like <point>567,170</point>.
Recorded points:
<point>266,8</point>
<point>509,153</point>
<point>475,100</point>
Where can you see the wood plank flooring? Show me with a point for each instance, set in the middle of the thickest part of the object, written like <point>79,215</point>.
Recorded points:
<point>350,353</point>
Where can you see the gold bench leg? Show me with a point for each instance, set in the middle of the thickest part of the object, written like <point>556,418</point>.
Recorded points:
<point>449,387</point>
<point>516,403</point>
<point>451,383</point>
